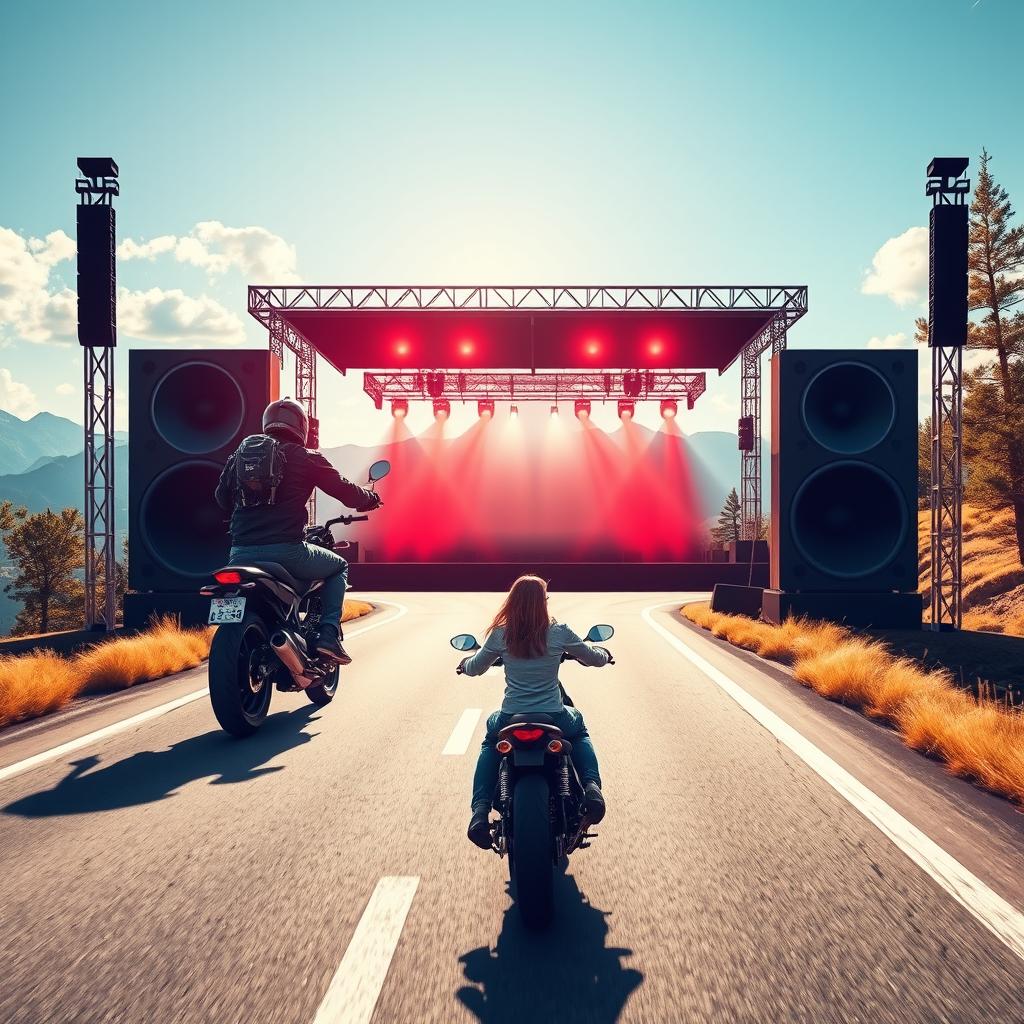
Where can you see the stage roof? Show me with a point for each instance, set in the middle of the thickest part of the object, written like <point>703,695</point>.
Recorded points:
<point>520,327</point>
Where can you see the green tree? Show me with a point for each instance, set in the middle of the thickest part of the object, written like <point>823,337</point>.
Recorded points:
<point>994,393</point>
<point>728,528</point>
<point>47,548</point>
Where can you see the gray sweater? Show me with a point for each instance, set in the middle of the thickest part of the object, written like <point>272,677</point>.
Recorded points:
<point>531,684</point>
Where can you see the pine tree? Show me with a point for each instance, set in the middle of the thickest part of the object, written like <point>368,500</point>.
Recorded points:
<point>48,549</point>
<point>994,401</point>
<point>728,528</point>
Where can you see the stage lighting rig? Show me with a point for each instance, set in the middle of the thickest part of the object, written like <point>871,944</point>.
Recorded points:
<point>399,408</point>
<point>632,384</point>
<point>582,408</point>
<point>442,408</point>
<point>669,409</point>
<point>435,385</point>
<point>626,410</point>
<point>485,408</point>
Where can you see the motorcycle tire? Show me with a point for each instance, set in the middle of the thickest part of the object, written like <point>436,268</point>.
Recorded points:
<point>239,703</point>
<point>323,693</point>
<point>532,864</point>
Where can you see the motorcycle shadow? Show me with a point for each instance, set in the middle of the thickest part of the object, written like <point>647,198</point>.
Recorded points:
<point>150,775</point>
<point>565,973</point>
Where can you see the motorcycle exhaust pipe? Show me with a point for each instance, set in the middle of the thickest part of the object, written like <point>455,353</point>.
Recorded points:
<point>291,657</point>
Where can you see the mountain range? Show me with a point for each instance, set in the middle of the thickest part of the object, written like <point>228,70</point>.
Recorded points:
<point>26,444</point>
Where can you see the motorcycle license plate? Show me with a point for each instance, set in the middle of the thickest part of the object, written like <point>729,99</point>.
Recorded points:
<point>226,609</point>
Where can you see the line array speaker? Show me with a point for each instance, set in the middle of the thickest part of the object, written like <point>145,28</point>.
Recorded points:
<point>947,275</point>
<point>97,276</point>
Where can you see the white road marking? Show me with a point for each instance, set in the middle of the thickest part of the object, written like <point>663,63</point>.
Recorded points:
<point>995,913</point>
<point>111,730</point>
<point>353,992</point>
<point>458,742</point>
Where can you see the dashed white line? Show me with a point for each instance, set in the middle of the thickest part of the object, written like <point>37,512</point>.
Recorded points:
<point>462,734</point>
<point>996,914</point>
<point>353,992</point>
<point>111,730</point>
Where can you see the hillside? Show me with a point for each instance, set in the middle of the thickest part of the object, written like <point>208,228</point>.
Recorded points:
<point>993,578</point>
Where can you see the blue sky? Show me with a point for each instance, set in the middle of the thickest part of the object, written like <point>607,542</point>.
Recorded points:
<point>741,142</point>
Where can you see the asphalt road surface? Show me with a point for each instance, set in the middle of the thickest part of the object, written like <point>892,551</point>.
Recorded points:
<point>767,856</point>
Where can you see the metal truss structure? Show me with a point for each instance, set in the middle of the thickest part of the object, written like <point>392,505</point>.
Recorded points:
<point>946,185</point>
<point>535,387</point>
<point>773,337</point>
<point>98,187</point>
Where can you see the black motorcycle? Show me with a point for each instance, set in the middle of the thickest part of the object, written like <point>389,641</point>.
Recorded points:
<point>540,802</point>
<point>266,630</point>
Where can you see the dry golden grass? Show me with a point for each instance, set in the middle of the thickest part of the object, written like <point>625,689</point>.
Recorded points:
<point>38,683</point>
<point>978,739</point>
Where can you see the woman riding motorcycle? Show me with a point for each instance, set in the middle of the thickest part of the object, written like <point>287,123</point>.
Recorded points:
<point>531,644</point>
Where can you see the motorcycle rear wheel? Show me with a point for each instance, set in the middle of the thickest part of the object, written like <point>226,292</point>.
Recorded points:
<point>239,695</point>
<point>532,864</point>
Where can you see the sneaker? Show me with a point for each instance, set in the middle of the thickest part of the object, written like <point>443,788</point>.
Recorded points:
<point>479,830</point>
<point>328,643</point>
<point>595,802</point>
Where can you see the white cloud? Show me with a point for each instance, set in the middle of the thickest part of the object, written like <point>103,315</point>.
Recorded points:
<point>171,315</point>
<point>65,389</point>
<point>31,306</point>
<point>898,340</point>
<point>15,397</point>
<point>725,405</point>
<point>900,268</point>
<point>259,255</point>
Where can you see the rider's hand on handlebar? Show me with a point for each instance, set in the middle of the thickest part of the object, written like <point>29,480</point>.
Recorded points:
<point>611,660</point>
<point>461,666</point>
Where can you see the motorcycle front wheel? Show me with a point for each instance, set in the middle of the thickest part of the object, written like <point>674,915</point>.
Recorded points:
<point>322,694</point>
<point>532,865</point>
<point>239,685</point>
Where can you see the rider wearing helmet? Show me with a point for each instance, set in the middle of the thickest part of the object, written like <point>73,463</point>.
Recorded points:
<point>269,527</point>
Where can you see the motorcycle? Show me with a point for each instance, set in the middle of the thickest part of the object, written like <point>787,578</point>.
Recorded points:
<point>540,802</point>
<point>266,630</point>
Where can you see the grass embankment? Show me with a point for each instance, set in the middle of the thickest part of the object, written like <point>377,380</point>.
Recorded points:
<point>38,683</point>
<point>978,738</point>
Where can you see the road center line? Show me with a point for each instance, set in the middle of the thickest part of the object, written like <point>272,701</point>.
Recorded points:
<point>995,913</point>
<point>353,992</point>
<point>462,734</point>
<point>144,716</point>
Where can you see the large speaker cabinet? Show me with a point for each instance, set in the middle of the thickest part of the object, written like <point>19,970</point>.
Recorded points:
<point>844,487</point>
<point>187,412</point>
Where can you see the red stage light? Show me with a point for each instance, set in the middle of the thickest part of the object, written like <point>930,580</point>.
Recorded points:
<point>401,347</point>
<point>554,410</point>
<point>626,410</point>
<point>582,408</point>
<point>442,408</point>
<point>593,347</point>
<point>669,408</point>
<point>513,410</point>
<point>466,347</point>
<point>655,347</point>
<point>485,408</point>
<point>399,408</point>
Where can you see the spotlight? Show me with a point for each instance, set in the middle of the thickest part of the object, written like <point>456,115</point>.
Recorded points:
<point>582,408</point>
<point>435,385</point>
<point>554,410</point>
<point>485,408</point>
<point>626,410</point>
<point>593,347</point>
<point>442,408</point>
<point>669,408</point>
<point>655,347</point>
<point>399,408</point>
<point>513,410</point>
<point>466,347</point>
<point>402,347</point>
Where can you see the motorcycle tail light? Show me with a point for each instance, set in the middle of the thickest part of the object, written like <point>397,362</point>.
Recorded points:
<point>527,735</point>
<point>503,747</point>
<point>228,576</point>
<point>555,746</point>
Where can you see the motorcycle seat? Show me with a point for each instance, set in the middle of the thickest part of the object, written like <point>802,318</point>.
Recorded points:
<point>532,716</point>
<point>279,572</point>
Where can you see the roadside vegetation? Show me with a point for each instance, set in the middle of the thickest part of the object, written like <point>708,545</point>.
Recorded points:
<point>40,682</point>
<point>978,738</point>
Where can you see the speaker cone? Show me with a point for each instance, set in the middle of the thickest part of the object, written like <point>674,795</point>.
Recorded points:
<point>848,408</point>
<point>197,407</point>
<point>184,529</point>
<point>848,519</point>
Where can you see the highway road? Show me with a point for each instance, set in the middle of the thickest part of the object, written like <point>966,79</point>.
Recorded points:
<point>767,856</point>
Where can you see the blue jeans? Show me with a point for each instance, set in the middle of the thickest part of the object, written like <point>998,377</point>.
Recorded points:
<point>569,720</point>
<point>305,562</point>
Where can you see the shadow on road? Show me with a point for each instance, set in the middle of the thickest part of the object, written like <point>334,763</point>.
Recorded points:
<point>155,775</point>
<point>566,973</point>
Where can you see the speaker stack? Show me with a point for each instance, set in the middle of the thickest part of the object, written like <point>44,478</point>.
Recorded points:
<point>844,488</point>
<point>187,412</point>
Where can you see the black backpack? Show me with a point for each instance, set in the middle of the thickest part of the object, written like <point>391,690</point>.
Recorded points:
<point>259,470</point>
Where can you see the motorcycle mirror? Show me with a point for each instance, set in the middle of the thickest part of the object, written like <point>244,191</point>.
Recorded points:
<point>598,634</point>
<point>465,642</point>
<point>379,470</point>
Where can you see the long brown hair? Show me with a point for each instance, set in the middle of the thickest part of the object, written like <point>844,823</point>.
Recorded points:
<point>525,617</point>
